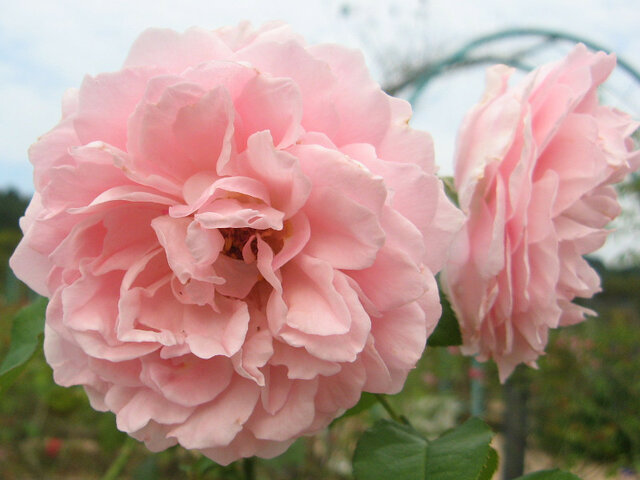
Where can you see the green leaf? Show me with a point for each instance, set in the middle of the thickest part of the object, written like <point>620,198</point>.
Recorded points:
<point>7,379</point>
<point>390,450</point>
<point>28,324</point>
<point>367,400</point>
<point>554,474</point>
<point>447,332</point>
<point>490,466</point>
<point>450,190</point>
<point>462,453</point>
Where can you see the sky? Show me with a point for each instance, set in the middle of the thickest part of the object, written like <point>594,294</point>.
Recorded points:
<point>47,46</point>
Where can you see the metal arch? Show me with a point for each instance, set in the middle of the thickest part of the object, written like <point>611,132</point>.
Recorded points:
<point>460,58</point>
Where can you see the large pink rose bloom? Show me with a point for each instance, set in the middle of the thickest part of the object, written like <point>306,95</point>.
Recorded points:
<point>534,171</point>
<point>238,235</point>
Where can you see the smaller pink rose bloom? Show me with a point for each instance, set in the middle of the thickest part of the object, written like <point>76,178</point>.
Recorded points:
<point>238,234</point>
<point>534,171</point>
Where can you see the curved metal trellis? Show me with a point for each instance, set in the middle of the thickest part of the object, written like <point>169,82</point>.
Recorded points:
<point>463,57</point>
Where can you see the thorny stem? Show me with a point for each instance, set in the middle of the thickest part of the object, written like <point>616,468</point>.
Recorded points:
<point>392,413</point>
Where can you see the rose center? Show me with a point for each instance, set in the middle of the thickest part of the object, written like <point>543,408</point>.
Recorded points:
<point>235,240</point>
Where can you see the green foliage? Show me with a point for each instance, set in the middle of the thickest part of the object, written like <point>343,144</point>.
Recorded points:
<point>450,190</point>
<point>447,332</point>
<point>9,238</point>
<point>490,466</point>
<point>12,207</point>
<point>204,468</point>
<point>392,450</point>
<point>463,452</point>
<point>26,332</point>
<point>588,388</point>
<point>9,287</point>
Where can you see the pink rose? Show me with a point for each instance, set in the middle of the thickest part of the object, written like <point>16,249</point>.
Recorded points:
<point>534,172</point>
<point>238,234</point>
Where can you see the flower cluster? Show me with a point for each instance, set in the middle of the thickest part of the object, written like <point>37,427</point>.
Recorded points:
<point>238,234</point>
<point>534,171</point>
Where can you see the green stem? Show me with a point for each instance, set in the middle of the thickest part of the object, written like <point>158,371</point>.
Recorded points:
<point>248,466</point>
<point>392,413</point>
<point>121,460</point>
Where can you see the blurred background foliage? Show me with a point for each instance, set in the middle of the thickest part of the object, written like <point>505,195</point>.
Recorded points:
<point>585,401</point>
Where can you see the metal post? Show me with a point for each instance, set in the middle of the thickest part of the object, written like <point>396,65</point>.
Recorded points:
<point>516,394</point>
